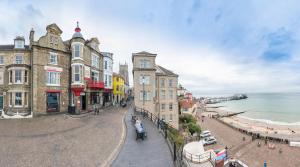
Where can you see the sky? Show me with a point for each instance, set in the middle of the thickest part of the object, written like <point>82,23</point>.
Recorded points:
<point>214,46</point>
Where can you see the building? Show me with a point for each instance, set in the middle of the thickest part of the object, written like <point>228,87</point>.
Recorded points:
<point>108,74</point>
<point>123,71</point>
<point>51,75</point>
<point>118,88</point>
<point>155,87</point>
<point>188,106</point>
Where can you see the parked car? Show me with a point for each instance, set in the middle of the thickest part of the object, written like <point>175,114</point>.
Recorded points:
<point>205,133</point>
<point>209,140</point>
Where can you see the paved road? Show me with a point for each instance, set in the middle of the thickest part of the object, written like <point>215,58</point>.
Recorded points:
<point>60,140</point>
<point>151,152</point>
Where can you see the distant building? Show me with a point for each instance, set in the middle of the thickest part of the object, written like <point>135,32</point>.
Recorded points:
<point>155,88</point>
<point>118,88</point>
<point>188,107</point>
<point>123,71</point>
<point>108,77</point>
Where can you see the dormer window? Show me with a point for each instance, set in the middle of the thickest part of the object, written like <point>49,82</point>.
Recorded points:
<point>19,43</point>
<point>144,64</point>
<point>19,59</point>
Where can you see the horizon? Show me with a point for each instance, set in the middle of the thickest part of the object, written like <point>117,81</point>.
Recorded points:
<point>228,46</point>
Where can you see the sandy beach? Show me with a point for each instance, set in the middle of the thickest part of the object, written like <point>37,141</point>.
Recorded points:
<point>290,132</point>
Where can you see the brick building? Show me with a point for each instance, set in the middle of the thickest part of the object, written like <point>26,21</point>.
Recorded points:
<point>51,75</point>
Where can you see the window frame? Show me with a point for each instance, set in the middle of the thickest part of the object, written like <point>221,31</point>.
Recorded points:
<point>53,76</point>
<point>95,60</point>
<point>16,59</point>
<point>2,60</point>
<point>50,58</point>
<point>19,76</point>
<point>19,44</point>
<point>20,101</point>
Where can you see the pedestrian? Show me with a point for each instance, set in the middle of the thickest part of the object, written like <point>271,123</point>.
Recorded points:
<point>98,110</point>
<point>95,109</point>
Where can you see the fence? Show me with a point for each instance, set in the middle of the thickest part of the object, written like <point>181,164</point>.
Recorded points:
<point>176,149</point>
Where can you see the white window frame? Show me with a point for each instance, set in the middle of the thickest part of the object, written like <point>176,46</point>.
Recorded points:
<point>144,63</point>
<point>80,45</point>
<point>53,56</point>
<point>1,60</point>
<point>97,78</point>
<point>146,78</point>
<point>17,61</point>
<point>53,78</point>
<point>21,99</point>
<point>95,60</point>
<point>19,77</point>
<point>171,94</point>
<point>19,44</point>
<point>80,73</point>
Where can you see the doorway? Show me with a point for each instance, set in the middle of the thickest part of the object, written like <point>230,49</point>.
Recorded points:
<point>1,102</point>
<point>83,102</point>
<point>52,102</point>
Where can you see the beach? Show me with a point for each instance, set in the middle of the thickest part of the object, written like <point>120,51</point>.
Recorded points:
<point>285,131</point>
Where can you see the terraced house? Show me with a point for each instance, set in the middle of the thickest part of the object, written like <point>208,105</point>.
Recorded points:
<point>155,87</point>
<point>51,75</point>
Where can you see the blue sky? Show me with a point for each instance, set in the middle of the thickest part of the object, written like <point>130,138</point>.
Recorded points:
<point>215,46</point>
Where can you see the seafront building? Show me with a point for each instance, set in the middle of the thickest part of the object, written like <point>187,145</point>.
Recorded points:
<point>155,88</point>
<point>118,88</point>
<point>108,77</point>
<point>51,75</point>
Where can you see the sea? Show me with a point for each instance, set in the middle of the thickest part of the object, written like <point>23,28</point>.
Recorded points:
<point>273,108</point>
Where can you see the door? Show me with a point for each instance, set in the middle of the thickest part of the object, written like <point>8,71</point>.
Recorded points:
<point>83,102</point>
<point>1,102</point>
<point>52,102</point>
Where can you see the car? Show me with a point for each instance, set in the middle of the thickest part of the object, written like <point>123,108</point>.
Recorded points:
<point>209,140</point>
<point>205,133</point>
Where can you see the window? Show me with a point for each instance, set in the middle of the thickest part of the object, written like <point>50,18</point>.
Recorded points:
<point>170,82</point>
<point>163,94</point>
<point>162,82</point>
<point>19,59</point>
<point>19,44</point>
<point>53,58</point>
<point>10,76</point>
<point>163,106</point>
<point>18,76</point>
<point>95,60</point>
<point>95,76</point>
<point>105,64</point>
<point>171,117</point>
<point>144,64</point>
<point>53,78</point>
<point>25,76</point>
<point>145,79</point>
<point>1,60</point>
<point>10,99</point>
<point>18,99</point>
<point>76,51</point>
<point>105,80</point>
<point>77,73</point>
<point>109,80</point>
<point>171,94</point>
<point>146,95</point>
<point>171,106</point>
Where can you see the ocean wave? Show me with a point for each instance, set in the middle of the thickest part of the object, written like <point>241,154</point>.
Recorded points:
<point>271,122</point>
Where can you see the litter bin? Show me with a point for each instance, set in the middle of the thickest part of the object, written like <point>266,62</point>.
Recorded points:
<point>71,109</point>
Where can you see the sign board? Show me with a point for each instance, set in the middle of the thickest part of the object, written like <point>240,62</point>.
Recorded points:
<point>53,69</point>
<point>82,93</point>
<point>87,72</point>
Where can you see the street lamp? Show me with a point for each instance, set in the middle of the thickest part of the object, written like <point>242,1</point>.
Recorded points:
<point>143,81</point>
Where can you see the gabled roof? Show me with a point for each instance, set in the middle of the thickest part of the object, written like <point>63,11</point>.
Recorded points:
<point>186,103</point>
<point>163,71</point>
<point>54,26</point>
<point>144,53</point>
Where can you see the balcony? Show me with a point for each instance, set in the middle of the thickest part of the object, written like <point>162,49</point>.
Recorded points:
<point>95,84</point>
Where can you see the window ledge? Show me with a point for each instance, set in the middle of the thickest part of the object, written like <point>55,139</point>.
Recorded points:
<point>53,84</point>
<point>77,58</point>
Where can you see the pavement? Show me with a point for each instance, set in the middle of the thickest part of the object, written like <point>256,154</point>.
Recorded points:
<point>60,140</point>
<point>153,151</point>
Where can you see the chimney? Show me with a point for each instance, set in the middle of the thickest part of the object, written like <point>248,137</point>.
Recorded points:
<point>31,37</point>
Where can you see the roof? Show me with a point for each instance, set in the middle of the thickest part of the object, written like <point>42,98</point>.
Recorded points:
<point>163,71</point>
<point>186,103</point>
<point>144,53</point>
<point>11,47</point>
<point>54,26</point>
<point>20,38</point>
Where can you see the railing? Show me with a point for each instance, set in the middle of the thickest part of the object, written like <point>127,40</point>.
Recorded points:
<point>176,150</point>
<point>200,158</point>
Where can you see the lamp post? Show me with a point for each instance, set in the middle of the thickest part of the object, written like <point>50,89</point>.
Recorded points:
<point>143,81</point>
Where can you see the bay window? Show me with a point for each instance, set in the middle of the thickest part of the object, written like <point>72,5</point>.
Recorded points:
<point>18,99</point>
<point>95,60</point>
<point>76,53</point>
<point>18,76</point>
<point>77,73</point>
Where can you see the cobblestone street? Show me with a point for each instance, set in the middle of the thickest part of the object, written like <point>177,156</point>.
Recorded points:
<point>60,140</point>
<point>153,151</point>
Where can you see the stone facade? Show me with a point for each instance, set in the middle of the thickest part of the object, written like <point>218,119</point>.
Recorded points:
<point>107,77</point>
<point>155,88</point>
<point>46,70</point>
<point>123,71</point>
